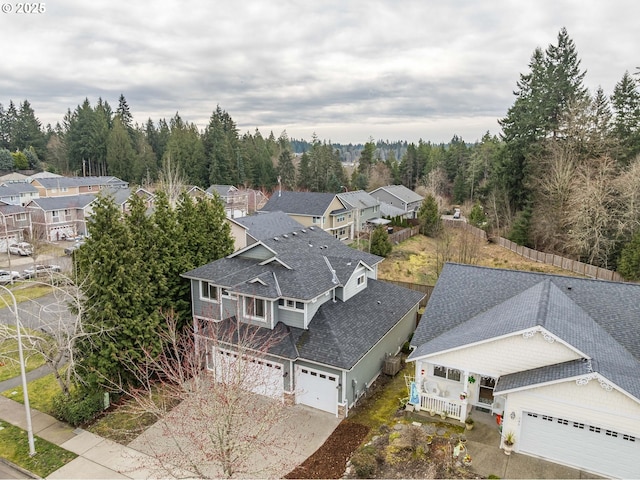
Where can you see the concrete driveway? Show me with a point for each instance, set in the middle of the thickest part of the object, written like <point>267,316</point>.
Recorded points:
<point>300,432</point>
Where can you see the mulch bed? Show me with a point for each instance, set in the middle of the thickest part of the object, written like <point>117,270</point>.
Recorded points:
<point>330,460</point>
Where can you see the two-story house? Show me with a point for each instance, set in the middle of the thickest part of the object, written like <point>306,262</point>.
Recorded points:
<point>68,186</point>
<point>18,193</point>
<point>58,218</point>
<point>336,323</point>
<point>322,210</point>
<point>400,197</point>
<point>555,359</point>
<point>366,209</point>
<point>15,224</point>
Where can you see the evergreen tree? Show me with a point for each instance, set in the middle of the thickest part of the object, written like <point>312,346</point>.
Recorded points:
<point>286,170</point>
<point>629,262</point>
<point>429,217</point>
<point>380,243</point>
<point>121,157</point>
<point>6,160</point>
<point>626,125</point>
<point>118,296</point>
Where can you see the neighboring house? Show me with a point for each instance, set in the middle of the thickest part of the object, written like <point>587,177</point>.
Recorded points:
<point>265,225</point>
<point>558,358</point>
<point>336,321</point>
<point>389,211</point>
<point>69,186</point>
<point>366,209</point>
<point>15,226</point>
<point>18,193</point>
<point>58,218</point>
<point>236,202</point>
<point>323,210</point>
<point>13,177</point>
<point>195,192</point>
<point>399,196</point>
<point>122,197</point>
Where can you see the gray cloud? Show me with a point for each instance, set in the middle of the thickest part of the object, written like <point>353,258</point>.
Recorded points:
<point>347,71</point>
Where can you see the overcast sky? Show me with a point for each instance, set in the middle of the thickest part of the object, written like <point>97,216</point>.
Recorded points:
<point>348,70</point>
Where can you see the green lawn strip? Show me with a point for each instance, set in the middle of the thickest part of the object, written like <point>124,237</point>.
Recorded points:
<point>14,446</point>
<point>9,357</point>
<point>41,393</point>
<point>24,291</point>
<point>380,408</point>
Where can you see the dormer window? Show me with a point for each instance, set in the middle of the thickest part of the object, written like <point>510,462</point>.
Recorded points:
<point>361,280</point>
<point>208,291</point>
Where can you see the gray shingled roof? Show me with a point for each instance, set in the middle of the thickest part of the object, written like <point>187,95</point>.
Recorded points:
<point>268,224</point>
<point>222,190</point>
<point>299,203</point>
<point>340,334</point>
<point>537,376</point>
<point>388,210</point>
<point>599,318</point>
<point>310,254</point>
<point>63,202</point>
<point>58,182</point>
<point>400,191</point>
<point>16,188</point>
<point>358,199</point>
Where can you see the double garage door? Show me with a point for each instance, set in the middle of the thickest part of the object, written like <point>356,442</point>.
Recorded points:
<point>584,446</point>
<point>317,389</point>
<point>256,375</point>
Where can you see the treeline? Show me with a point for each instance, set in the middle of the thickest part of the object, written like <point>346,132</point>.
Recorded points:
<point>563,176</point>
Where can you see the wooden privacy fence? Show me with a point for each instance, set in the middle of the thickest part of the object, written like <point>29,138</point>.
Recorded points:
<point>403,235</point>
<point>549,258</point>
<point>426,289</point>
<point>561,262</point>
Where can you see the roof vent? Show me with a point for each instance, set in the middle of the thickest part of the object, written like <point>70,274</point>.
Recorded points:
<point>310,245</point>
<point>294,233</point>
<point>276,238</point>
<point>310,228</point>
<point>285,236</point>
<point>379,302</point>
<point>303,231</point>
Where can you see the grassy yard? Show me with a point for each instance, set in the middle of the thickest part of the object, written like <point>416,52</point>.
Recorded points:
<point>9,357</point>
<point>14,446</point>
<point>41,393</point>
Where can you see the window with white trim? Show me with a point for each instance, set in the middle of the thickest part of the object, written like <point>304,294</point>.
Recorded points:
<point>291,304</point>
<point>340,218</point>
<point>208,291</point>
<point>255,308</point>
<point>448,373</point>
<point>361,279</point>
<point>317,219</point>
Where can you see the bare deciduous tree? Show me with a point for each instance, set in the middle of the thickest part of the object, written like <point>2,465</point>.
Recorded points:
<point>171,180</point>
<point>594,211</point>
<point>208,422</point>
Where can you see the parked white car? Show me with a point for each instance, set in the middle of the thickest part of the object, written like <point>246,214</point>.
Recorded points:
<point>6,276</point>
<point>40,270</point>
<point>22,248</point>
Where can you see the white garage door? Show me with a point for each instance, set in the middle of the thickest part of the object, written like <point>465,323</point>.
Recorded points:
<point>254,374</point>
<point>581,445</point>
<point>317,389</point>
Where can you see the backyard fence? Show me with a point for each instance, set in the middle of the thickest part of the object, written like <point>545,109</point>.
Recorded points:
<point>575,266</point>
<point>426,289</point>
<point>402,235</point>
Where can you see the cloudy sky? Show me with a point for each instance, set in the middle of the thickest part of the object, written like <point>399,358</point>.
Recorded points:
<point>348,70</point>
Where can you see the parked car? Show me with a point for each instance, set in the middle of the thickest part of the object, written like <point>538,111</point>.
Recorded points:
<point>21,248</point>
<point>40,270</point>
<point>6,276</point>
<point>72,248</point>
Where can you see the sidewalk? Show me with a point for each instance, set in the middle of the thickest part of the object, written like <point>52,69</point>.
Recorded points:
<point>97,457</point>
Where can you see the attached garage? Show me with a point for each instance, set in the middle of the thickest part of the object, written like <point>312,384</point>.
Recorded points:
<point>257,375</point>
<point>317,389</point>
<point>589,447</point>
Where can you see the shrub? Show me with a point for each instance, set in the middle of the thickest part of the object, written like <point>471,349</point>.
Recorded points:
<point>79,407</point>
<point>364,462</point>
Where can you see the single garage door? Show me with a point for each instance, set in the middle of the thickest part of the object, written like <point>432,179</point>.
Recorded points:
<point>317,389</point>
<point>256,375</point>
<point>581,445</point>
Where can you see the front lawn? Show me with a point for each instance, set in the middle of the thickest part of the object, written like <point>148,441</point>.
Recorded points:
<point>9,357</point>
<point>14,446</point>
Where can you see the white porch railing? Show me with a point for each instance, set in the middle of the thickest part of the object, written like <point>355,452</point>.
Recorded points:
<point>451,407</point>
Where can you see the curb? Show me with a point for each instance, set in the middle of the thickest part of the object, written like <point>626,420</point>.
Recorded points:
<point>19,468</point>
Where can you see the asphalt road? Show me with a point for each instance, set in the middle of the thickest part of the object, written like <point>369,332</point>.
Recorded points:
<point>44,313</point>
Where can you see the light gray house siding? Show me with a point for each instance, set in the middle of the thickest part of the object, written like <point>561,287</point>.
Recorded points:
<point>369,367</point>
